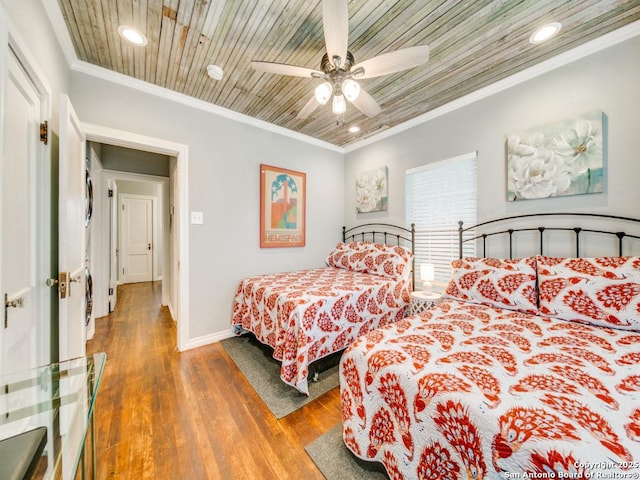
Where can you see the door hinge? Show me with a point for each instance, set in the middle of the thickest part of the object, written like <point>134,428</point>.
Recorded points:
<point>110,193</point>
<point>44,132</point>
<point>111,291</point>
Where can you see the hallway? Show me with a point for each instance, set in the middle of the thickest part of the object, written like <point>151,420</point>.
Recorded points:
<point>161,414</point>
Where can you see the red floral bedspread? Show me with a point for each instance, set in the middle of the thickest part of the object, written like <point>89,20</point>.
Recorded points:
<point>468,391</point>
<point>309,314</point>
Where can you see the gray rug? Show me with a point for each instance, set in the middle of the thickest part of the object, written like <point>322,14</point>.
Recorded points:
<point>336,462</point>
<point>263,372</point>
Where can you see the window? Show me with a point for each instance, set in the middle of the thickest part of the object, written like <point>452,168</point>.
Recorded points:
<point>438,196</point>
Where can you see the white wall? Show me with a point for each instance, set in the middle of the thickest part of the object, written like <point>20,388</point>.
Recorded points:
<point>607,80</point>
<point>224,159</point>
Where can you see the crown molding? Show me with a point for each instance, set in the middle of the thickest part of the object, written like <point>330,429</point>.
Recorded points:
<point>613,38</point>
<point>162,92</point>
<point>60,29</point>
<point>64,39</point>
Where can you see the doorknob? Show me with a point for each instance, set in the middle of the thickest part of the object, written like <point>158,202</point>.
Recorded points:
<point>149,247</point>
<point>15,303</point>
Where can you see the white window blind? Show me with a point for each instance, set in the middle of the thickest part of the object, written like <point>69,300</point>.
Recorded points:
<point>438,196</point>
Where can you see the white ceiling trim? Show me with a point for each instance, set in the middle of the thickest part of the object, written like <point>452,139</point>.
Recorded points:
<point>589,48</point>
<point>64,39</point>
<point>618,36</point>
<point>146,87</point>
<point>60,29</point>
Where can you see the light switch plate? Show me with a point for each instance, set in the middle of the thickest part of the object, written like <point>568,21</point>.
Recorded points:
<point>197,218</point>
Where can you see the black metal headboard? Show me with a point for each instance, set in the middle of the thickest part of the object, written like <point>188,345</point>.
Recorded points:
<point>541,229</point>
<point>384,233</point>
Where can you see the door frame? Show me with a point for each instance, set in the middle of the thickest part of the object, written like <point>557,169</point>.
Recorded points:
<point>180,231</point>
<point>47,311</point>
<point>110,234</point>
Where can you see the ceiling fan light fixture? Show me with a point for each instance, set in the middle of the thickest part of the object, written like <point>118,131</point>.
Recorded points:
<point>351,89</point>
<point>323,92</point>
<point>545,32</point>
<point>339,105</point>
<point>132,35</point>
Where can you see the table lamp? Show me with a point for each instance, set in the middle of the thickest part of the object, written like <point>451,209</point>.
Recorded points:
<point>427,275</point>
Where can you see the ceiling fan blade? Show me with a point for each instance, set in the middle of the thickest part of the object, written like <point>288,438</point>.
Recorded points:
<point>284,69</point>
<point>335,22</point>
<point>394,61</point>
<point>366,104</point>
<point>309,107</point>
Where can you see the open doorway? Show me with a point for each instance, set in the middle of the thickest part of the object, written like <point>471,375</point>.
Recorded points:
<point>133,166</point>
<point>129,238</point>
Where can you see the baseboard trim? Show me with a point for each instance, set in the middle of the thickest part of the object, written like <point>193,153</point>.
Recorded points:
<point>208,339</point>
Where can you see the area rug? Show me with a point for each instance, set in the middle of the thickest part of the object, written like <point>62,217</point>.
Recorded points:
<point>336,462</point>
<point>263,372</point>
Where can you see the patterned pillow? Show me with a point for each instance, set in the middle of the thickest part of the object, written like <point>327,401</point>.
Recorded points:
<point>502,283</point>
<point>375,258</point>
<point>602,291</point>
<point>339,256</point>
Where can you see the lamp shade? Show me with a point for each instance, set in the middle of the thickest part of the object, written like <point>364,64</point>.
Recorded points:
<point>351,89</point>
<point>323,92</point>
<point>339,105</point>
<point>427,275</point>
<point>427,272</point>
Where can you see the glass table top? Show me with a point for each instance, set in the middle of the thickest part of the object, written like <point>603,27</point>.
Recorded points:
<point>59,397</point>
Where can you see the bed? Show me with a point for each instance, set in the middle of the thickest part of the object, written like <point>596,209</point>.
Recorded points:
<point>308,315</point>
<point>529,369</point>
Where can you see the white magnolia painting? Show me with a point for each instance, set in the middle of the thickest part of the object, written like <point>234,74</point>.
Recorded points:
<point>371,191</point>
<point>563,158</point>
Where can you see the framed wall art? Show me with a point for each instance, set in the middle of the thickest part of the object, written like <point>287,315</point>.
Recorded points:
<point>372,191</point>
<point>561,158</point>
<point>282,207</point>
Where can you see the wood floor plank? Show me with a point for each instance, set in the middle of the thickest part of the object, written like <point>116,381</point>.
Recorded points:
<point>161,414</point>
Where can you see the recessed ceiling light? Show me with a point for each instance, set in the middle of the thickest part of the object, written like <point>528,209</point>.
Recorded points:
<point>215,72</point>
<point>132,35</point>
<point>545,32</point>
<point>354,129</point>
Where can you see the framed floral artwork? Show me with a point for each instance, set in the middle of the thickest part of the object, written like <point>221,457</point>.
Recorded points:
<point>562,158</point>
<point>371,190</point>
<point>282,207</point>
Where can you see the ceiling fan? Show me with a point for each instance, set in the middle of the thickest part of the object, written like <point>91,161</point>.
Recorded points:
<point>338,67</point>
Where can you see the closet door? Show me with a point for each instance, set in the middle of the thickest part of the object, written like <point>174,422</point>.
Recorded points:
<point>24,328</point>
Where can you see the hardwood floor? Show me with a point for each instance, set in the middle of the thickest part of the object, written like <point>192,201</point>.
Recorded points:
<point>161,414</point>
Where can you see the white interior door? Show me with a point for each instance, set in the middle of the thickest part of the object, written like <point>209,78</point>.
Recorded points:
<point>23,344</point>
<point>71,234</point>
<point>136,240</point>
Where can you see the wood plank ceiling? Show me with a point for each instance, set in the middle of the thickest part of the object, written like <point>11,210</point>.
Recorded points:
<point>473,44</point>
